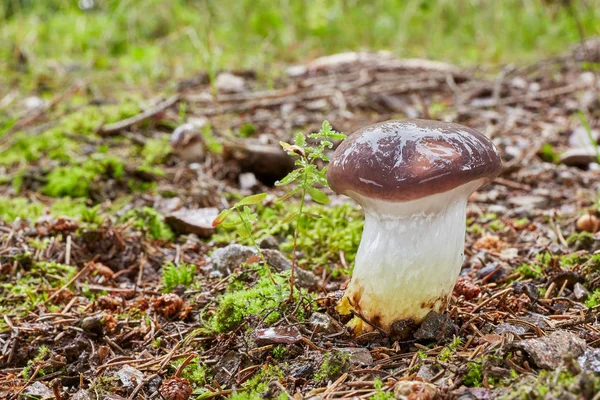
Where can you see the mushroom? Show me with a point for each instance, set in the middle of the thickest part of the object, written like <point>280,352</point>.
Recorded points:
<point>413,179</point>
<point>187,141</point>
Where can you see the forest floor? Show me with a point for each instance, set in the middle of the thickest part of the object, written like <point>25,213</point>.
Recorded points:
<point>113,283</point>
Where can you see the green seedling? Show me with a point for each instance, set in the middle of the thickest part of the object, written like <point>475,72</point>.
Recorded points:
<point>307,177</point>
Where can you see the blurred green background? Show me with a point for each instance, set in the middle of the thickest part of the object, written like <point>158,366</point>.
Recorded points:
<point>142,42</point>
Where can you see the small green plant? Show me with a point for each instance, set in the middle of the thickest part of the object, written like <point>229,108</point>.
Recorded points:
<point>530,271</point>
<point>150,221</point>
<point>241,217</point>
<point>175,275</point>
<point>43,352</point>
<point>474,375</point>
<point>279,352</point>
<point>548,153</point>
<point>307,176</point>
<point>381,395</point>
<point>580,240</point>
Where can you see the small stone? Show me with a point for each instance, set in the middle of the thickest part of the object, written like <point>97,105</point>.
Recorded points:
<point>509,254</point>
<point>436,327</point>
<point>270,242</point>
<point>322,323</point>
<point>415,390</point>
<point>590,360</point>
<point>38,390</point>
<point>304,279</point>
<point>130,377</point>
<point>230,361</point>
<point>247,181</point>
<point>33,102</point>
<point>578,157</point>
<point>528,288</point>
<point>358,355</point>
<point>81,394</point>
<point>536,319</point>
<point>497,209</point>
<point>92,324</point>
<point>588,223</point>
<point>476,394</point>
<point>529,201</point>
<point>277,335</point>
<point>302,370</point>
<point>492,271</point>
<point>547,352</point>
<point>516,330</point>
<point>580,293</point>
<point>197,221</point>
<point>228,258</point>
<point>167,206</point>
<point>428,371</point>
<point>316,105</point>
<point>229,83</point>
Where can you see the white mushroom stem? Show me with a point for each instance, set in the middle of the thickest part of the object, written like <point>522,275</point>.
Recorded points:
<point>409,257</point>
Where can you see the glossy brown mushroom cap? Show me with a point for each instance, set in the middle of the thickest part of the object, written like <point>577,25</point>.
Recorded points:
<point>402,160</point>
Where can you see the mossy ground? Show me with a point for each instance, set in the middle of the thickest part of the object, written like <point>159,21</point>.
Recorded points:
<point>146,292</point>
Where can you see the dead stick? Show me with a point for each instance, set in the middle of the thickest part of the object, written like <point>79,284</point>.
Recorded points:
<point>116,127</point>
<point>73,279</point>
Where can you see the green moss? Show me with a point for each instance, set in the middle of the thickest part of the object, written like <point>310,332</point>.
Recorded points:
<point>530,271</point>
<point>259,383</point>
<point>381,395</point>
<point>496,225</point>
<point>520,223</point>
<point>474,375</point>
<point>279,352</point>
<point>43,352</point>
<point>76,180</point>
<point>335,363</point>
<point>593,299</point>
<point>263,299</point>
<point>30,209</point>
<point>475,229</point>
<point>30,290</point>
<point>155,151</point>
<point>60,142</point>
<point>544,258</point>
<point>445,354</point>
<point>149,221</point>
<point>337,231</point>
<point>556,384</point>
<point>76,208</point>
<point>580,240</point>
<point>213,144</point>
<point>20,207</point>
<point>175,275</point>
<point>570,260</point>
<point>195,372</point>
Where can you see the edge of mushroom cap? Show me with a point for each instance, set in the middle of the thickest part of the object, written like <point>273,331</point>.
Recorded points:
<point>403,160</point>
